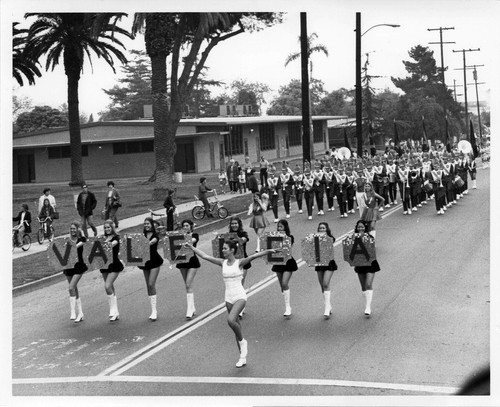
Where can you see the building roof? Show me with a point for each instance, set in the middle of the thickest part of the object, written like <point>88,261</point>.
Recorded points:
<point>96,133</point>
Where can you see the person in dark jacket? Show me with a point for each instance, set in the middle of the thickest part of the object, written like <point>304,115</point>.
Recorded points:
<point>253,184</point>
<point>24,222</point>
<point>170,209</point>
<point>85,205</point>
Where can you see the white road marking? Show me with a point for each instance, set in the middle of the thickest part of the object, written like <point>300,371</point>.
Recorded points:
<point>244,380</point>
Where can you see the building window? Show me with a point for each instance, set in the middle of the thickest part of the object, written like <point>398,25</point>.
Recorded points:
<point>266,136</point>
<point>318,132</point>
<point>233,142</point>
<point>295,133</point>
<point>65,152</point>
<point>132,147</point>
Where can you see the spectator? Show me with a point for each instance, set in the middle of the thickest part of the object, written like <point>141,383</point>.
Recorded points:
<point>24,222</point>
<point>85,205</point>
<point>263,171</point>
<point>253,184</point>
<point>112,203</point>
<point>46,195</point>
<point>222,180</point>
<point>202,194</point>
<point>170,209</point>
<point>232,174</point>
<point>242,181</point>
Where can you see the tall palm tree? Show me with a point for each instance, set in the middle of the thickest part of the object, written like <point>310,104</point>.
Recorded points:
<point>311,49</point>
<point>72,36</point>
<point>22,65</point>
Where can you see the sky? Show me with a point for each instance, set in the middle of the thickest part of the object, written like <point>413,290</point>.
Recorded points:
<point>260,56</point>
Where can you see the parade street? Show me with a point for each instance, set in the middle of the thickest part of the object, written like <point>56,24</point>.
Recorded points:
<point>428,332</point>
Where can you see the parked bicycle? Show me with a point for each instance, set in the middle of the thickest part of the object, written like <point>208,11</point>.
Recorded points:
<point>215,208</point>
<point>46,230</point>
<point>25,241</point>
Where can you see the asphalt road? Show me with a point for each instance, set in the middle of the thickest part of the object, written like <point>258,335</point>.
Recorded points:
<point>430,327</point>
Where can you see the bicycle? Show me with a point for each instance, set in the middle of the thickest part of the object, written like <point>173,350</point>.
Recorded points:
<point>161,223</point>
<point>216,207</point>
<point>25,241</point>
<point>46,230</point>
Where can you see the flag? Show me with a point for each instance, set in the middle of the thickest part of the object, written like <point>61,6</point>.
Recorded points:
<point>448,138</point>
<point>373,150</point>
<point>473,140</point>
<point>425,143</point>
<point>346,140</point>
<point>397,142</point>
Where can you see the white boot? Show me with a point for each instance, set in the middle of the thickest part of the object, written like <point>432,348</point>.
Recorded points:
<point>72,304</point>
<point>328,306</point>
<point>474,186</point>
<point>288,309</point>
<point>374,232</point>
<point>190,306</point>
<point>258,245</point>
<point>153,316</point>
<point>110,303</point>
<point>243,353</point>
<point>114,314</point>
<point>79,310</point>
<point>368,301</point>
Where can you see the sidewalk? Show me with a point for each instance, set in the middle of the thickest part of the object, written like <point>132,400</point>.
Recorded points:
<point>126,223</point>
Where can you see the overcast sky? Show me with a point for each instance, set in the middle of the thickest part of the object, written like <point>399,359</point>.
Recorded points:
<point>260,56</point>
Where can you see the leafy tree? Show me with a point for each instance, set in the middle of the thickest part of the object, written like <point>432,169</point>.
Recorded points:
<point>22,64</point>
<point>338,103</point>
<point>41,117</point>
<point>133,91</point>
<point>201,103</point>
<point>20,105</point>
<point>196,34</point>
<point>67,38</point>
<point>241,92</point>
<point>289,100</point>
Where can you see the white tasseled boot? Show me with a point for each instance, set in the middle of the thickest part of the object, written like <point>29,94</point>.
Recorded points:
<point>152,300</point>
<point>72,304</point>
<point>242,361</point>
<point>328,306</point>
<point>113,308</point>
<point>190,305</point>
<point>79,310</point>
<point>368,301</point>
<point>288,309</point>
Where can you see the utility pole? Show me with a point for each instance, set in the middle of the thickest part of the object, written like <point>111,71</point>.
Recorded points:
<point>463,51</point>
<point>455,86</point>
<point>441,42</point>
<point>359,102</point>
<point>306,113</point>
<point>474,73</point>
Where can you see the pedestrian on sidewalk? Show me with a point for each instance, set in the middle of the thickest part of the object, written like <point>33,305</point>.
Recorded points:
<point>242,181</point>
<point>325,273</point>
<point>170,209</point>
<point>112,203</point>
<point>232,172</point>
<point>253,184</point>
<point>85,205</point>
<point>263,172</point>
<point>46,195</point>
<point>235,295</point>
<point>222,181</point>
<point>366,274</point>
<point>110,274</point>
<point>284,271</point>
<point>152,266</point>
<point>74,274</point>
<point>259,221</point>
<point>189,269</point>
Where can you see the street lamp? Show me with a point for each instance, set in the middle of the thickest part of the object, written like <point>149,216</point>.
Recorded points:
<point>359,102</point>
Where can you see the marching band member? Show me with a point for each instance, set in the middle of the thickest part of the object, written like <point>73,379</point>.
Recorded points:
<point>472,168</point>
<point>318,187</point>
<point>351,191</point>
<point>359,181</point>
<point>448,178</point>
<point>392,174</point>
<point>286,181</point>
<point>298,180</point>
<point>366,274</point>
<point>259,221</point>
<point>110,274</point>
<point>414,181</point>
<point>235,295</point>
<point>425,172</point>
<point>438,188</point>
<point>342,184</point>
<point>308,192</point>
<point>274,185</point>
<point>152,266</point>
<point>404,187</point>
<point>329,187</point>
<point>188,270</point>
<point>284,271</point>
<point>461,167</point>
<point>378,179</point>
<point>370,213</point>
<point>325,273</point>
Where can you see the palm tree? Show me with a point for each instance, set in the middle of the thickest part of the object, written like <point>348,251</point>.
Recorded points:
<point>71,36</point>
<point>22,65</point>
<point>311,49</point>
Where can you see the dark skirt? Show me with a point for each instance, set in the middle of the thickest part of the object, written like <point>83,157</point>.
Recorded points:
<point>152,264</point>
<point>193,263</point>
<point>332,266</point>
<point>79,268</point>
<point>291,265</point>
<point>368,269</point>
<point>114,268</point>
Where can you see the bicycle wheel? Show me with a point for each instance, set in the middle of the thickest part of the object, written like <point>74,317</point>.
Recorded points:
<point>40,236</point>
<point>26,242</point>
<point>223,212</point>
<point>198,212</point>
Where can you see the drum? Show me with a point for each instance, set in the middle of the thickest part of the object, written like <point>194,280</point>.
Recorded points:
<point>427,186</point>
<point>459,181</point>
<point>392,177</point>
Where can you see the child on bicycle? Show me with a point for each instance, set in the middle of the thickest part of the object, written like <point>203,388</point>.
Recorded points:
<point>24,222</point>
<point>222,180</point>
<point>242,181</point>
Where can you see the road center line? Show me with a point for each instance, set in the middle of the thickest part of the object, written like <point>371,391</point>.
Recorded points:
<point>243,380</point>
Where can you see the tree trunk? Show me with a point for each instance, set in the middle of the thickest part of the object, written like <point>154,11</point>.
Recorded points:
<point>74,128</point>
